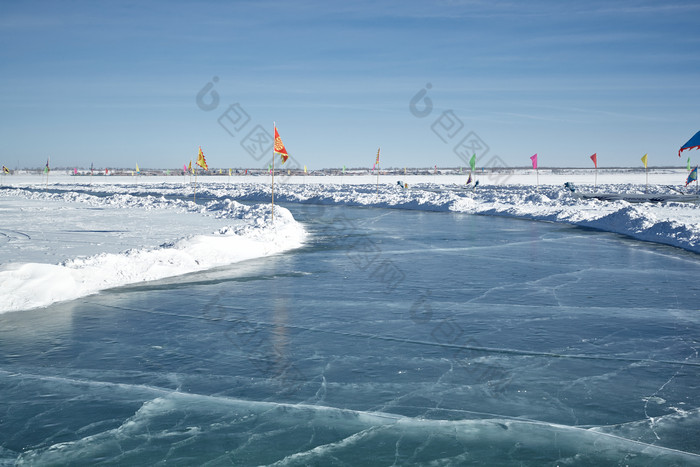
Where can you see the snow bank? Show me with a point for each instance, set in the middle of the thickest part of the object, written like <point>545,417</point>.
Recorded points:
<point>676,224</point>
<point>27,284</point>
<point>249,233</point>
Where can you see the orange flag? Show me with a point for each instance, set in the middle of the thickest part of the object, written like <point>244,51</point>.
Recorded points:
<point>279,147</point>
<point>201,161</point>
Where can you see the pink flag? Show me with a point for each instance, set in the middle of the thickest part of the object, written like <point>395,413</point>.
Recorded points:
<point>184,167</point>
<point>594,158</point>
<point>534,161</point>
<point>75,171</point>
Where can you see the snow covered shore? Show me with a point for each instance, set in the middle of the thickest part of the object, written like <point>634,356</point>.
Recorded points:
<point>68,239</point>
<point>61,246</point>
<point>674,223</point>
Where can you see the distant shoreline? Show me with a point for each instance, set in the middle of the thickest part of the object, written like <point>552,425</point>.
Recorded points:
<point>336,171</point>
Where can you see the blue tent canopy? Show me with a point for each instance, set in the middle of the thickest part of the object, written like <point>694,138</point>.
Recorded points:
<point>693,143</point>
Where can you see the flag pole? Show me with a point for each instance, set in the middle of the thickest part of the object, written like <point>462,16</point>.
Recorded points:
<point>274,124</point>
<point>377,180</point>
<point>595,180</point>
<point>195,186</point>
<point>646,172</point>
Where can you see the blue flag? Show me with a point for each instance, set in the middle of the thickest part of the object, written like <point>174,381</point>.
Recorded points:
<point>692,176</point>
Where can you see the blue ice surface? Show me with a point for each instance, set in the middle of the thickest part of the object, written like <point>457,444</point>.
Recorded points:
<point>392,337</point>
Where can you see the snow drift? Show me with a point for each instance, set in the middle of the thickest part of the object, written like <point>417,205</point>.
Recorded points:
<point>248,233</point>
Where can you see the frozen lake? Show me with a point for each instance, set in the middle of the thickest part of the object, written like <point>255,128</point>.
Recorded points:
<point>392,337</point>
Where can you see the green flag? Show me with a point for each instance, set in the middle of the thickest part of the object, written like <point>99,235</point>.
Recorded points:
<point>472,162</point>
<point>688,167</point>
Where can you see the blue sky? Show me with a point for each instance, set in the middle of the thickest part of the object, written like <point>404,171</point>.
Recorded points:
<point>115,83</point>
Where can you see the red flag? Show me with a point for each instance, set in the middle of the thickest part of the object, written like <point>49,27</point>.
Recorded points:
<point>594,158</point>
<point>279,147</point>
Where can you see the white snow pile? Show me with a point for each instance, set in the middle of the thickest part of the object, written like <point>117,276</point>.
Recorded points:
<point>244,232</point>
<point>672,223</point>
<point>161,233</point>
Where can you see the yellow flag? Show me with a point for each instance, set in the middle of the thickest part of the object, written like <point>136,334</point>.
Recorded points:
<point>137,168</point>
<point>644,159</point>
<point>201,161</point>
<point>305,169</point>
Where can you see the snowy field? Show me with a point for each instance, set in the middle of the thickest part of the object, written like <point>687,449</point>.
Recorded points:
<point>368,324</point>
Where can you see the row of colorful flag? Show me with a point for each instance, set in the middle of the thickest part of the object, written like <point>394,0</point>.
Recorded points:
<point>692,176</point>
<point>594,158</point>
<point>282,151</point>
